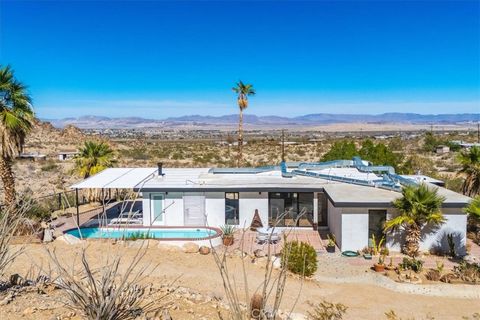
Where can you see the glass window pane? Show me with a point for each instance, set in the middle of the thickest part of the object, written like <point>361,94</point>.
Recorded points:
<point>232,207</point>
<point>157,207</point>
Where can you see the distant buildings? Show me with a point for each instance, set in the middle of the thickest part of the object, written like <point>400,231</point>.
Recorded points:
<point>442,149</point>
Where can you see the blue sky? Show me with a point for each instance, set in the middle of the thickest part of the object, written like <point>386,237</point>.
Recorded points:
<point>159,59</point>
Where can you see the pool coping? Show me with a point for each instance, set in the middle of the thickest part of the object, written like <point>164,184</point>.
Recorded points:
<point>217,230</point>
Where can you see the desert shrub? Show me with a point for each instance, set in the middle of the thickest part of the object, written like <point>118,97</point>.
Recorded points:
<point>10,222</point>
<point>50,165</point>
<point>468,272</point>
<point>327,311</point>
<point>412,264</point>
<point>107,292</point>
<point>299,258</point>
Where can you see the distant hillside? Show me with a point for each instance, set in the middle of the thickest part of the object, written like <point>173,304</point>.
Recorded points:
<point>88,122</point>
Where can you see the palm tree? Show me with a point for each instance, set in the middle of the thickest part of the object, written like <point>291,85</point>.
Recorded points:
<point>93,158</point>
<point>16,120</point>
<point>470,161</point>
<point>418,206</point>
<point>243,91</point>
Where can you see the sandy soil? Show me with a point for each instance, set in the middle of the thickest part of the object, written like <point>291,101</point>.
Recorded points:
<point>365,300</point>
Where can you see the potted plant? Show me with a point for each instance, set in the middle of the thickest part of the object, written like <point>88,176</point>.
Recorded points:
<point>227,234</point>
<point>380,266</point>
<point>331,243</point>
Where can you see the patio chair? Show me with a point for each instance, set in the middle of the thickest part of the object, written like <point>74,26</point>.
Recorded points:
<point>264,235</point>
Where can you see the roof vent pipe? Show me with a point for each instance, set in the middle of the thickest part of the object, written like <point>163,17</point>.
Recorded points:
<point>160,168</point>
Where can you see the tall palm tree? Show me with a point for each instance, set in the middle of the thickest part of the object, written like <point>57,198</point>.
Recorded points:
<point>418,206</point>
<point>16,120</point>
<point>243,91</point>
<point>470,161</point>
<point>93,158</point>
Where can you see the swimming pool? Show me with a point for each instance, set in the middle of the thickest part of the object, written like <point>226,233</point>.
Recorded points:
<point>139,233</point>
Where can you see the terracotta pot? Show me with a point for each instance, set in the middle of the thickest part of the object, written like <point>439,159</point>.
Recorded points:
<point>331,249</point>
<point>379,267</point>
<point>227,240</point>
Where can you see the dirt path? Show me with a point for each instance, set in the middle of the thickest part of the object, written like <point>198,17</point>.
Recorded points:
<point>364,301</point>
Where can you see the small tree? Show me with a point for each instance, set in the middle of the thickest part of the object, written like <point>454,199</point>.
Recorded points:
<point>418,206</point>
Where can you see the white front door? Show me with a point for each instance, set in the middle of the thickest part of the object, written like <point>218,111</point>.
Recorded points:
<point>194,210</point>
<point>157,206</point>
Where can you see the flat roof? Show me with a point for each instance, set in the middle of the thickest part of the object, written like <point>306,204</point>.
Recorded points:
<point>113,178</point>
<point>200,179</point>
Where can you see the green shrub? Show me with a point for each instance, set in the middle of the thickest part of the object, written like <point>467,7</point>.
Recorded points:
<point>299,258</point>
<point>50,165</point>
<point>411,264</point>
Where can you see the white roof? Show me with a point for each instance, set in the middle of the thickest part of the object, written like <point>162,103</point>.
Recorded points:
<point>112,178</point>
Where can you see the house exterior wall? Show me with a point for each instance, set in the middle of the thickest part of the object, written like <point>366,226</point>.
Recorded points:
<point>215,208</point>
<point>354,228</point>
<point>249,201</point>
<point>456,224</point>
<point>335,222</point>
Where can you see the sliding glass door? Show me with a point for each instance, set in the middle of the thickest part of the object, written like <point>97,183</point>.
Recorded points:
<point>288,209</point>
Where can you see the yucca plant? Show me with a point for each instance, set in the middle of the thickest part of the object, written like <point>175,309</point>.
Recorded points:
<point>470,161</point>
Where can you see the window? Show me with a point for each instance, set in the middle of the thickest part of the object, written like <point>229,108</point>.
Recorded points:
<point>376,220</point>
<point>232,207</point>
<point>285,207</point>
<point>157,207</point>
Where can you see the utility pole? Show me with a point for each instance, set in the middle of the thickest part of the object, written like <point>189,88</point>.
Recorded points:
<point>283,145</point>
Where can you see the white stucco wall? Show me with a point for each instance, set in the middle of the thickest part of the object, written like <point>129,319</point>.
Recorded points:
<point>335,222</point>
<point>354,228</point>
<point>456,224</point>
<point>215,208</point>
<point>249,201</point>
<point>173,205</point>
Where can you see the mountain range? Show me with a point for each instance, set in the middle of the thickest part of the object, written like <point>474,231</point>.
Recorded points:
<point>99,122</point>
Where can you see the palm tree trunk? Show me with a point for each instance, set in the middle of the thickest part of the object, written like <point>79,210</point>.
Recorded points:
<point>412,241</point>
<point>8,179</point>
<point>240,138</point>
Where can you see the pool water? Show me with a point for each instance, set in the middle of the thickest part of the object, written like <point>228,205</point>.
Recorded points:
<point>110,233</point>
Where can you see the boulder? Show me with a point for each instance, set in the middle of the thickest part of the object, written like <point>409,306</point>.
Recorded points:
<point>190,247</point>
<point>259,253</point>
<point>204,250</point>
<point>69,239</point>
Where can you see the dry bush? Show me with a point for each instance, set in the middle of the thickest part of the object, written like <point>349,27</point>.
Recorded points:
<point>327,311</point>
<point>11,221</point>
<point>107,293</point>
<point>264,303</point>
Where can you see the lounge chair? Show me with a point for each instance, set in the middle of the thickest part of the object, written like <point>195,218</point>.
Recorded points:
<point>128,218</point>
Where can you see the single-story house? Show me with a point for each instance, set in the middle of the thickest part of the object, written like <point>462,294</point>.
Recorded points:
<point>67,155</point>
<point>442,149</point>
<point>349,198</point>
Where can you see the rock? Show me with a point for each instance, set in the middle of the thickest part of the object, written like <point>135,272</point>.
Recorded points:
<point>7,299</point>
<point>29,310</point>
<point>276,262</point>
<point>204,250</point>
<point>190,247</point>
<point>259,253</point>
<point>69,239</point>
